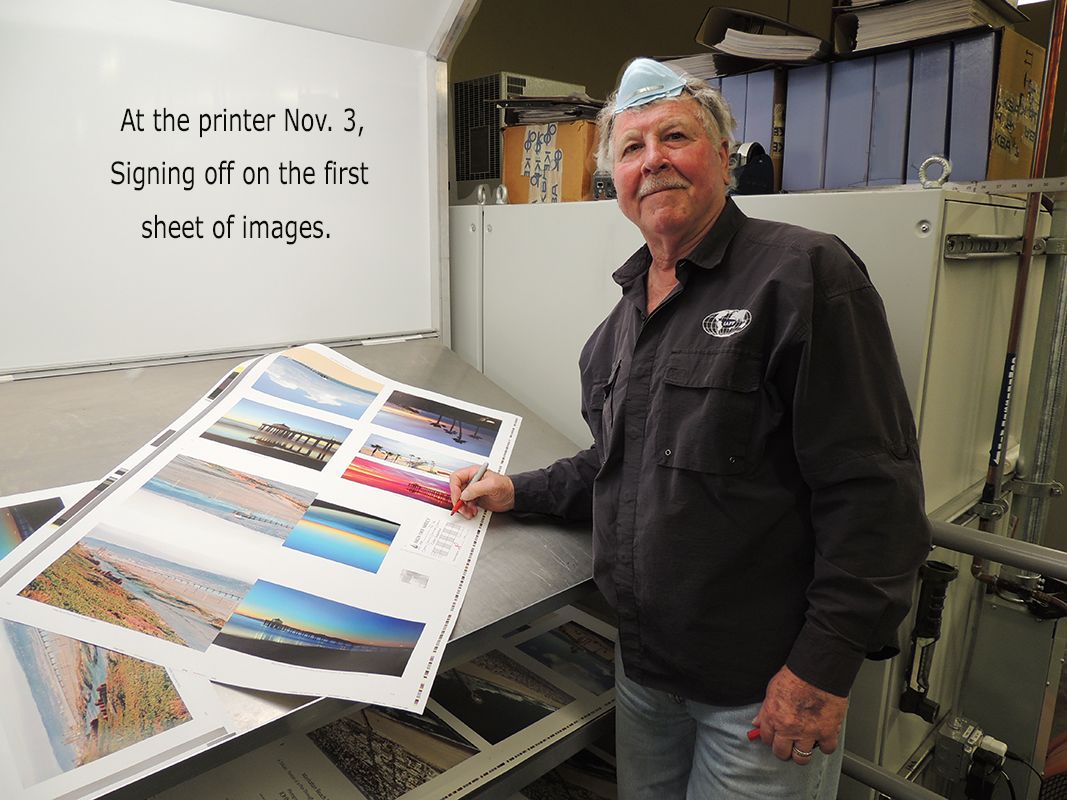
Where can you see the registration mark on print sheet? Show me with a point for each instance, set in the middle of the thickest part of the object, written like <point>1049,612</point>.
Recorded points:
<point>443,541</point>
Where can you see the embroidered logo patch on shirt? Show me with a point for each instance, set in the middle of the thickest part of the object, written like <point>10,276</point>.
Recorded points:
<point>727,322</point>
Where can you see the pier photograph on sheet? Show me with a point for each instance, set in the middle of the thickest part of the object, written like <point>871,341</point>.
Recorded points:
<point>175,557</point>
<point>577,653</point>
<point>280,434</point>
<point>386,753</point>
<point>304,376</point>
<point>439,422</point>
<point>344,535</point>
<point>407,482</point>
<point>282,624</point>
<point>496,696</point>
<point>412,456</point>
<point>68,703</point>
<point>18,521</point>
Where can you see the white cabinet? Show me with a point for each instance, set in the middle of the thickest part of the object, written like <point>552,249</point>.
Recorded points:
<point>545,278</point>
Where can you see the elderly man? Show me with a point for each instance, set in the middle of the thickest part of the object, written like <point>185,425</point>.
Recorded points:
<point>754,482</point>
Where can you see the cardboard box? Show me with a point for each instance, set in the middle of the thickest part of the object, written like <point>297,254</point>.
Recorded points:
<point>549,163</point>
<point>1016,107</point>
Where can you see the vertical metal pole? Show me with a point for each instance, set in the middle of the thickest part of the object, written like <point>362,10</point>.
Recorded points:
<point>995,474</point>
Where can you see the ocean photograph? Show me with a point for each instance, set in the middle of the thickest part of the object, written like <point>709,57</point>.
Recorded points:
<point>264,506</point>
<point>310,379</point>
<point>386,753</point>
<point>278,433</point>
<point>439,422</point>
<point>68,703</point>
<point>576,652</point>
<point>292,627</point>
<point>496,696</point>
<point>17,522</point>
<point>343,535</point>
<point>398,480</point>
<point>584,776</point>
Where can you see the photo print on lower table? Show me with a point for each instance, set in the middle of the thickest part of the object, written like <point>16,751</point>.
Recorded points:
<point>19,521</point>
<point>387,753</point>
<point>495,696</point>
<point>305,376</point>
<point>69,706</point>
<point>285,435</point>
<point>439,422</point>
<point>293,627</point>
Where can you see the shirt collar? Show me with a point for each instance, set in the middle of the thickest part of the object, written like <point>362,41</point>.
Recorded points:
<point>706,255</point>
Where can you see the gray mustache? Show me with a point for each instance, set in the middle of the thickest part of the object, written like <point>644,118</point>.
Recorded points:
<point>659,182</point>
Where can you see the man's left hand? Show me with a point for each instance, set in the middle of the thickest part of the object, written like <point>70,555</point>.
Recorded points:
<point>797,717</point>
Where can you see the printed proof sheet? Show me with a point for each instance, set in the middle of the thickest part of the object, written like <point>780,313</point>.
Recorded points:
<point>77,717</point>
<point>523,694</point>
<point>292,536</point>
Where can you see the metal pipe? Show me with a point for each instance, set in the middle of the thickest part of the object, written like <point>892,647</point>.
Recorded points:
<point>1039,444</point>
<point>995,472</point>
<point>1025,555</point>
<point>870,774</point>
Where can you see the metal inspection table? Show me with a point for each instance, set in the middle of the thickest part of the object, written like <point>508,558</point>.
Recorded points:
<point>61,430</point>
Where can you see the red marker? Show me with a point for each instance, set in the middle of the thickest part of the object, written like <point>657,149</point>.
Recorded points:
<point>477,477</point>
<point>754,734</point>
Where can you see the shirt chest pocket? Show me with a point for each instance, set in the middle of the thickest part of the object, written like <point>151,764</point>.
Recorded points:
<point>708,410</point>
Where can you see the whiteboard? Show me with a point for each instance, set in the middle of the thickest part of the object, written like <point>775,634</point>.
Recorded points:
<point>81,284</point>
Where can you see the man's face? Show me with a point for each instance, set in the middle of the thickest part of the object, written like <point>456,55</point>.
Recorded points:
<point>669,176</point>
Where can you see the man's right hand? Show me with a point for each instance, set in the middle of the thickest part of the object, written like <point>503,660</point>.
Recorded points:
<point>494,492</point>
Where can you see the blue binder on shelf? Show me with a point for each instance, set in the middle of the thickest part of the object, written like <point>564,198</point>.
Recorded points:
<point>974,61</point>
<point>928,124</point>
<point>735,92</point>
<point>807,96</point>
<point>848,134</point>
<point>889,118</point>
<point>759,108</point>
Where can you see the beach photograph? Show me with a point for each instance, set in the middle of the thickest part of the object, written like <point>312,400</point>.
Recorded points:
<point>68,703</point>
<point>386,753</point>
<point>311,379</point>
<point>577,653</point>
<point>412,456</point>
<point>277,433</point>
<point>18,521</point>
<point>100,579</point>
<point>343,535</point>
<point>439,422</point>
<point>269,507</point>
<point>285,625</point>
<point>398,480</point>
<point>496,696</point>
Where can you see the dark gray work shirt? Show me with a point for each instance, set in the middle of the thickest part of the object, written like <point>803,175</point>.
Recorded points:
<point>754,481</point>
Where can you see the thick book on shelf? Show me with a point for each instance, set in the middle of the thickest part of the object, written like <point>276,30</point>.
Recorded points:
<point>868,26</point>
<point>848,134</point>
<point>974,61</point>
<point>761,38</point>
<point>805,128</point>
<point>889,118</point>
<point>735,92</point>
<point>928,123</point>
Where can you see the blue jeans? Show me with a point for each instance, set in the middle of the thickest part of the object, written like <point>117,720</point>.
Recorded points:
<point>670,748</point>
